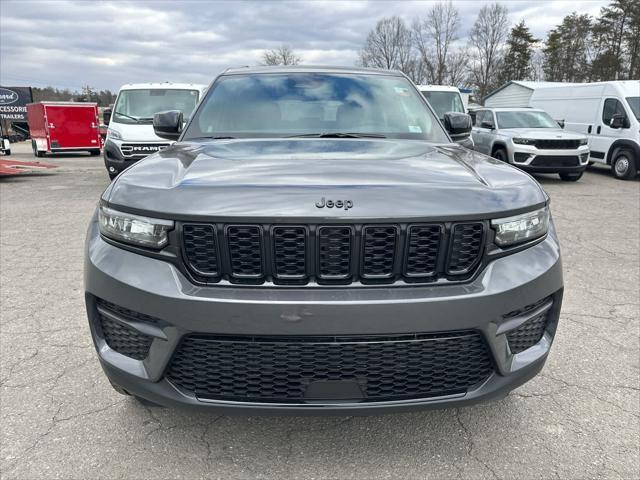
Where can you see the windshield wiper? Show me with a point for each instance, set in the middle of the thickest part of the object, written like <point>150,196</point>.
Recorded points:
<point>338,135</point>
<point>136,119</point>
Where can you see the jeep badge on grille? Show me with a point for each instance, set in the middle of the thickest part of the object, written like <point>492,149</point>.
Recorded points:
<point>346,204</point>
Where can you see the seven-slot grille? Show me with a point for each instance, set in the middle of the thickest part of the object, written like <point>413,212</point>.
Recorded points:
<point>557,144</point>
<point>332,254</point>
<point>294,369</point>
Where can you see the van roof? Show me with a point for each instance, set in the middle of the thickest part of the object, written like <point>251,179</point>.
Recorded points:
<point>163,85</point>
<point>437,88</point>
<point>511,109</point>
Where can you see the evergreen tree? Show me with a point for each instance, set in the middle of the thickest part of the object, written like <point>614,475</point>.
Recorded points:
<point>567,48</point>
<point>517,60</point>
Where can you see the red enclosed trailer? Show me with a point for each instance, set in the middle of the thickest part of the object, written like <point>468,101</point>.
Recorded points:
<point>64,127</point>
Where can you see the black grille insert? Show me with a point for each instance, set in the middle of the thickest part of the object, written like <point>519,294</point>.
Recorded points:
<point>379,251</point>
<point>281,369</point>
<point>466,244</point>
<point>423,246</point>
<point>245,251</point>
<point>531,331</point>
<point>200,248</point>
<point>121,337</point>
<point>290,252</point>
<point>334,261</point>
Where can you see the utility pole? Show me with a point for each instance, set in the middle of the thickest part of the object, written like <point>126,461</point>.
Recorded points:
<point>87,91</point>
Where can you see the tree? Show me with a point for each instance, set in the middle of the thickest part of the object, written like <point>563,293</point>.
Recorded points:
<point>388,46</point>
<point>567,50</point>
<point>517,59</point>
<point>632,39</point>
<point>434,36</point>
<point>487,40</point>
<point>283,55</point>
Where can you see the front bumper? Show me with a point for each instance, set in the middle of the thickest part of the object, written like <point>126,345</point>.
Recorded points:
<point>156,288</point>
<point>532,159</point>
<point>113,158</point>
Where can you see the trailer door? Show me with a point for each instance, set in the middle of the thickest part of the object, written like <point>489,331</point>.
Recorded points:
<point>72,127</point>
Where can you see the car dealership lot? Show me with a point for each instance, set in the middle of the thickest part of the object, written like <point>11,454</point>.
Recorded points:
<point>60,418</point>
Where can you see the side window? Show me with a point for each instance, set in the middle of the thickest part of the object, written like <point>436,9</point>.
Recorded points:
<point>612,107</point>
<point>480,114</point>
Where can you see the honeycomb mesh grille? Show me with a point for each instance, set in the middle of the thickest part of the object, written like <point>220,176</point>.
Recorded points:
<point>379,251</point>
<point>124,339</point>
<point>531,331</point>
<point>335,252</point>
<point>280,369</point>
<point>423,246</point>
<point>466,241</point>
<point>290,257</point>
<point>200,248</point>
<point>245,250</point>
<point>326,254</point>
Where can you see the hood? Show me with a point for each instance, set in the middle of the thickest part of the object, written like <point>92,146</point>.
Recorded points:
<point>286,178</point>
<point>136,132</point>
<point>542,133</point>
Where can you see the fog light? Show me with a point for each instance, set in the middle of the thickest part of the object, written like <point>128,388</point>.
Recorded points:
<point>111,169</point>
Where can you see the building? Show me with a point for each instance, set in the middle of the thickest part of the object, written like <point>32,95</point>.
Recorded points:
<point>515,93</point>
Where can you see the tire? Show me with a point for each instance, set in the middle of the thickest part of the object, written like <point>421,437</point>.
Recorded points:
<point>500,154</point>
<point>623,165</point>
<point>95,152</point>
<point>7,152</point>
<point>571,177</point>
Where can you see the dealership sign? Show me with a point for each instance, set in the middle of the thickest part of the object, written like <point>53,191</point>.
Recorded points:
<point>13,103</point>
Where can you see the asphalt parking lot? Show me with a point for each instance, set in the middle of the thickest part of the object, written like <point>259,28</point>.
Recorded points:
<point>59,417</point>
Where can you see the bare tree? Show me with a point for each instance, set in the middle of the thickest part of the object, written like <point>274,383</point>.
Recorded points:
<point>388,46</point>
<point>487,39</point>
<point>434,36</point>
<point>283,55</point>
<point>457,68</point>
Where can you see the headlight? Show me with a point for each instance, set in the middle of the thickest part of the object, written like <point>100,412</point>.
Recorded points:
<point>524,141</point>
<point>134,229</point>
<point>584,141</point>
<point>520,228</point>
<point>114,134</point>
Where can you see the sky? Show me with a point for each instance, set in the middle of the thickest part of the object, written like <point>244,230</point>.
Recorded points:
<point>69,44</point>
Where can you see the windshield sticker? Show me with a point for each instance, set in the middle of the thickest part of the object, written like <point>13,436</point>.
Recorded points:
<point>402,91</point>
<point>415,129</point>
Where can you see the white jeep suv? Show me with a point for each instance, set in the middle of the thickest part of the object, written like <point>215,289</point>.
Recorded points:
<point>530,139</point>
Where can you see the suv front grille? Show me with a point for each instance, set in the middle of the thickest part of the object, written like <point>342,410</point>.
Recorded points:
<point>557,144</point>
<point>301,369</point>
<point>332,254</point>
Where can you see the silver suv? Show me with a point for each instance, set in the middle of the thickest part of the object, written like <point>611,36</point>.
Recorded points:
<point>530,139</point>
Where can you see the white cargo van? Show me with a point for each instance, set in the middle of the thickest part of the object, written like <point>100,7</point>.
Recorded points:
<point>443,99</point>
<point>607,112</point>
<point>130,136</point>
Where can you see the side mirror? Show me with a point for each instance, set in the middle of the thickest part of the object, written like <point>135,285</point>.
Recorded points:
<point>168,124</point>
<point>458,125</point>
<point>560,123</point>
<point>618,121</point>
<point>486,124</point>
<point>106,116</point>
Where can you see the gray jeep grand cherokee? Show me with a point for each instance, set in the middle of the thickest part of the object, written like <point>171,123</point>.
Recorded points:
<point>315,242</point>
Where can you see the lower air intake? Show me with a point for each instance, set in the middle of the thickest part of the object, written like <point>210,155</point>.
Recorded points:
<point>299,369</point>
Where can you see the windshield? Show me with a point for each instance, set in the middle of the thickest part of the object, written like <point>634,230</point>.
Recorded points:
<point>139,106</point>
<point>308,104</point>
<point>525,119</point>
<point>443,102</point>
<point>634,103</point>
